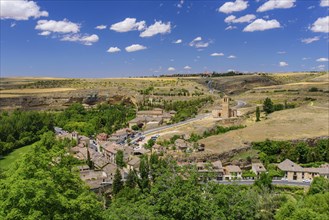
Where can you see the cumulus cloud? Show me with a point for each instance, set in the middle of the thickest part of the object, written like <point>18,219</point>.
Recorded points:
<point>20,10</point>
<point>187,67</point>
<point>13,24</point>
<point>113,50</point>
<point>198,43</point>
<point>231,57</point>
<point>84,39</point>
<point>171,69</point>
<point>129,24</point>
<point>178,41</point>
<point>100,27</point>
<point>64,26</point>
<point>246,18</point>
<point>135,47</point>
<point>282,64</point>
<point>230,28</point>
<point>310,40</point>
<point>321,25</point>
<point>229,7</point>
<point>324,3</point>
<point>262,25</point>
<point>217,54</point>
<point>157,28</point>
<point>322,59</point>
<point>276,4</point>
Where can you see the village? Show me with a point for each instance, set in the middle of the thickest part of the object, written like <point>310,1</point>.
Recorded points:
<point>122,150</point>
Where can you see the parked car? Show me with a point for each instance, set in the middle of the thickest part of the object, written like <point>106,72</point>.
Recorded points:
<point>306,181</point>
<point>284,179</point>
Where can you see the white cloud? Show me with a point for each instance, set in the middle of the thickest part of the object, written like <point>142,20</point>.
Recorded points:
<point>310,40</point>
<point>13,24</point>
<point>282,64</point>
<point>129,24</point>
<point>246,18</point>
<point>20,10</point>
<point>113,50</point>
<point>262,25</point>
<point>322,59</point>
<point>216,54</point>
<point>178,41</point>
<point>198,43</point>
<point>157,28</point>
<point>187,67</point>
<point>84,39</point>
<point>230,18</point>
<point>276,4</point>
<point>201,44</point>
<point>45,33</point>
<point>231,57</point>
<point>230,28</point>
<point>135,47</point>
<point>324,3</point>
<point>64,26</point>
<point>171,69</point>
<point>306,58</point>
<point>281,52</point>
<point>321,25</point>
<point>229,7</point>
<point>100,27</point>
<point>311,7</point>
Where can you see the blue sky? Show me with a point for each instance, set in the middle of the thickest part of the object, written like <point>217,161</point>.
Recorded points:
<point>138,38</point>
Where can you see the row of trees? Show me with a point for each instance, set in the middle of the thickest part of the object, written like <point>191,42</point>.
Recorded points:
<point>269,106</point>
<point>299,152</point>
<point>21,128</point>
<point>104,118</point>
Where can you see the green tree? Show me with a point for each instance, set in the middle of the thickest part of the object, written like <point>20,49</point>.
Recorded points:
<point>268,106</point>
<point>257,114</point>
<point>264,181</point>
<point>144,182</point>
<point>117,182</point>
<point>119,160</point>
<point>43,186</point>
<point>319,185</point>
<point>131,179</point>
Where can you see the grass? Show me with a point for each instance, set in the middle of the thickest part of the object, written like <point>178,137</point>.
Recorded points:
<point>7,161</point>
<point>302,122</point>
<point>244,155</point>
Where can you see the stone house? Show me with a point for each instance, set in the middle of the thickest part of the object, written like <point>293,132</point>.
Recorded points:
<point>208,171</point>
<point>232,172</point>
<point>294,172</point>
<point>258,168</point>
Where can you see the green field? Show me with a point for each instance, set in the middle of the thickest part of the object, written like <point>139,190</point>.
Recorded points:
<point>7,161</point>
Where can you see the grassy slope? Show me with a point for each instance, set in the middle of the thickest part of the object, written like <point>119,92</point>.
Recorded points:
<point>303,122</point>
<point>7,161</point>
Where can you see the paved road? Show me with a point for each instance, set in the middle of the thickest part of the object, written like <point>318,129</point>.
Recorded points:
<point>240,104</point>
<point>275,182</point>
<point>197,118</point>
